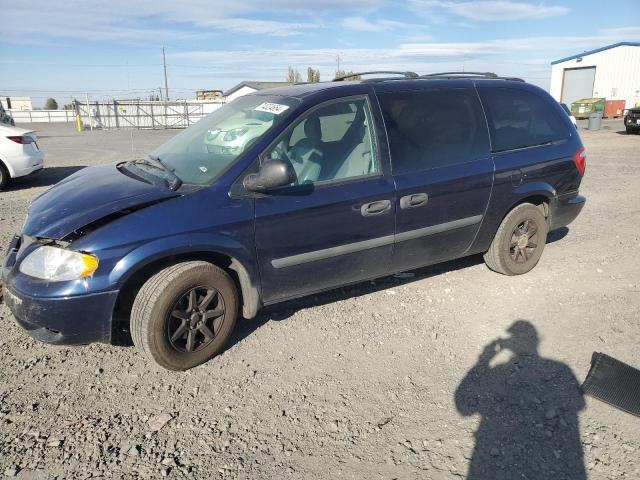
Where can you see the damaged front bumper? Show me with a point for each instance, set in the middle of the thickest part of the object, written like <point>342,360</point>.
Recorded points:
<point>59,319</point>
<point>66,320</point>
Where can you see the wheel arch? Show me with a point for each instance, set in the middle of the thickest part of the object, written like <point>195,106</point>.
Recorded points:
<point>540,194</point>
<point>131,282</point>
<point>536,193</point>
<point>7,168</point>
<point>540,201</point>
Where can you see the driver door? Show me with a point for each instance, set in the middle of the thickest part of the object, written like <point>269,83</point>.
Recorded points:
<point>335,224</point>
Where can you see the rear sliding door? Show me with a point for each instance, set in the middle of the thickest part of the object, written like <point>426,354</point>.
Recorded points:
<point>442,169</point>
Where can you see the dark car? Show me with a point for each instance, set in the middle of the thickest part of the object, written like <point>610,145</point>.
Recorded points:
<point>632,120</point>
<point>348,181</point>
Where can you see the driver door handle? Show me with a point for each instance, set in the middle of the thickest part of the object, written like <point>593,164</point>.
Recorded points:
<point>375,208</point>
<point>414,200</point>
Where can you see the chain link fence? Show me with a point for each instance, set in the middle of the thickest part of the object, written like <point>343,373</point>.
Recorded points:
<point>144,114</point>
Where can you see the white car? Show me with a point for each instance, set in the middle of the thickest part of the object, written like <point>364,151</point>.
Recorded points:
<point>19,153</point>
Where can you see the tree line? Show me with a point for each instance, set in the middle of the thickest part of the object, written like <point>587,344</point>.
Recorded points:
<point>293,76</point>
<point>313,75</point>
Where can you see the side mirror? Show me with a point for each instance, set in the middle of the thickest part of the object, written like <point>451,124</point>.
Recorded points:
<point>274,173</point>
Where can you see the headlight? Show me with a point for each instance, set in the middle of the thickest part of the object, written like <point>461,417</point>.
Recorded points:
<point>57,264</point>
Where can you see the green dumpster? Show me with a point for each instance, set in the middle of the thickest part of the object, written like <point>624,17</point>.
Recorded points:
<point>585,107</point>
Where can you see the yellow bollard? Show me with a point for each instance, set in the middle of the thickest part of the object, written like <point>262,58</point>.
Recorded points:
<point>78,123</point>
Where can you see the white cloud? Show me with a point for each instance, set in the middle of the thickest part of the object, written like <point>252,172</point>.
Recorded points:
<point>127,20</point>
<point>527,57</point>
<point>259,27</point>
<point>418,38</point>
<point>361,24</point>
<point>166,20</point>
<point>625,33</point>
<point>491,10</point>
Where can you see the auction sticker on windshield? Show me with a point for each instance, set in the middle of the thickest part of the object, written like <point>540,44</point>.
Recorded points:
<point>274,108</point>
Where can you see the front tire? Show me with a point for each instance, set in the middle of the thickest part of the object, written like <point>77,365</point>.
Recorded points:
<point>519,241</point>
<point>184,314</point>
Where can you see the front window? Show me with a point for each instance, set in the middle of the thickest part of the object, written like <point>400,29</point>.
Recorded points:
<point>331,142</point>
<point>201,152</point>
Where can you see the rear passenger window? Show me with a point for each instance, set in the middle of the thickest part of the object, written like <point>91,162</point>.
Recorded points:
<point>434,128</point>
<point>519,119</point>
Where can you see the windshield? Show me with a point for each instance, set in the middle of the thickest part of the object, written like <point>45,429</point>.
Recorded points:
<point>204,150</point>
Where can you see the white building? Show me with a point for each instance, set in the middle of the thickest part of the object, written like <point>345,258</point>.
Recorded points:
<point>611,72</point>
<point>244,88</point>
<point>16,103</point>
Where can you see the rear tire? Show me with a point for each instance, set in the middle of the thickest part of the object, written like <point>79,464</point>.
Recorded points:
<point>184,314</point>
<point>4,176</point>
<point>519,241</point>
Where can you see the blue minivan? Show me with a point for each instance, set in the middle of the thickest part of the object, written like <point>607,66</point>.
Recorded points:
<point>292,191</point>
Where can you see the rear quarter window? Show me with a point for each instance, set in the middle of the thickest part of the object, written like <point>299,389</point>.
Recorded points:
<point>520,119</point>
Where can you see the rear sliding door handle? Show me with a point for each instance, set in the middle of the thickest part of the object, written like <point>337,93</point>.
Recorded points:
<point>414,200</point>
<point>375,208</point>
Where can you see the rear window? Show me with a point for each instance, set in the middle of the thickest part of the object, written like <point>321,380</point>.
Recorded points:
<point>520,119</point>
<point>434,128</point>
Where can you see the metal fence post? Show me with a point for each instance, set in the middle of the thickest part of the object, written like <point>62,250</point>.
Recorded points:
<point>115,113</point>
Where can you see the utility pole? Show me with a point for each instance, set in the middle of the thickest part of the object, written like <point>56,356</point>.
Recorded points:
<point>166,85</point>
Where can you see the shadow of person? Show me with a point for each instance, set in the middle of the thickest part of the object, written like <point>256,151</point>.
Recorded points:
<point>529,407</point>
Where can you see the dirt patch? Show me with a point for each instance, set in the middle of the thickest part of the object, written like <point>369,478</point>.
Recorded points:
<point>390,379</point>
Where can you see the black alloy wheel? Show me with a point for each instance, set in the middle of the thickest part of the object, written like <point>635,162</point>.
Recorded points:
<point>524,241</point>
<point>195,319</point>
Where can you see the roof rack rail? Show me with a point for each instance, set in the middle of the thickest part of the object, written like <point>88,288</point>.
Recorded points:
<point>386,72</point>
<point>489,75</point>
<point>463,74</point>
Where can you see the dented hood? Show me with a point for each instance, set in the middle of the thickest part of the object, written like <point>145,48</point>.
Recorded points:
<point>88,196</point>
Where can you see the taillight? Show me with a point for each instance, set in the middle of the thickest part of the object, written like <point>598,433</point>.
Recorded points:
<point>580,157</point>
<point>23,139</point>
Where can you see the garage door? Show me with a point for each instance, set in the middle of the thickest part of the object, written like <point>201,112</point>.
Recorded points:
<point>577,84</point>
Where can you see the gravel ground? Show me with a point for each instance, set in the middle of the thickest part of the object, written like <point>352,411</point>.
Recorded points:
<point>398,378</point>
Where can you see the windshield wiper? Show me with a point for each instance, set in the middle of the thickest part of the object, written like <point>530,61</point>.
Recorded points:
<point>155,162</point>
